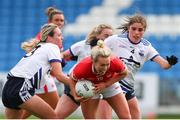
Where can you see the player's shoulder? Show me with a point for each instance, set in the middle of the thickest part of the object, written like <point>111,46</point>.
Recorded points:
<point>145,42</point>
<point>84,64</point>
<point>112,39</point>
<point>113,36</point>
<point>49,45</point>
<point>114,59</point>
<point>122,35</point>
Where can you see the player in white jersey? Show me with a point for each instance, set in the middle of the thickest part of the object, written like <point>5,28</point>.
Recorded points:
<point>28,75</point>
<point>49,92</point>
<point>135,51</point>
<point>78,51</point>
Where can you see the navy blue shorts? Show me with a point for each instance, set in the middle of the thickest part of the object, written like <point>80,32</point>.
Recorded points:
<point>127,89</point>
<point>67,92</point>
<point>15,92</point>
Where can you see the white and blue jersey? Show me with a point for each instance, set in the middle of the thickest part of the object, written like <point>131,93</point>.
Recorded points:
<point>80,50</point>
<point>134,55</point>
<point>36,64</point>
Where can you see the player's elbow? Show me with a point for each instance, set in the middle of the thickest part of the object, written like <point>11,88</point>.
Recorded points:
<point>124,73</point>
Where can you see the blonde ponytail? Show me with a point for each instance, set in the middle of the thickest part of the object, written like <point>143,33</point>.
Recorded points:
<point>29,45</point>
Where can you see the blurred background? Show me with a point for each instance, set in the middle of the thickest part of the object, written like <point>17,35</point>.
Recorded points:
<point>158,90</point>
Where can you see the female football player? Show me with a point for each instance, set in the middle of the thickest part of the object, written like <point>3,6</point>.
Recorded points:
<point>49,92</point>
<point>134,51</point>
<point>104,70</point>
<point>28,75</point>
<point>79,51</point>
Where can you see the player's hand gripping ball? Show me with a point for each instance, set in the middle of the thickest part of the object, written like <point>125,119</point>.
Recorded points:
<point>84,88</point>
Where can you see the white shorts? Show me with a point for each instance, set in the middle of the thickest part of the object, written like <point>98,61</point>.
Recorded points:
<point>111,91</point>
<point>49,86</point>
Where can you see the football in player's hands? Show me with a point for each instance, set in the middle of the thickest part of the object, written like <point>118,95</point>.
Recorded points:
<point>85,88</point>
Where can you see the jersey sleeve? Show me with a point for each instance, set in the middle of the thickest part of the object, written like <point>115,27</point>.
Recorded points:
<point>54,54</point>
<point>117,65</point>
<point>152,53</point>
<point>75,49</point>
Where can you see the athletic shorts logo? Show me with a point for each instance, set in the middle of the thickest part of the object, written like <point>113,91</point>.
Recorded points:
<point>24,93</point>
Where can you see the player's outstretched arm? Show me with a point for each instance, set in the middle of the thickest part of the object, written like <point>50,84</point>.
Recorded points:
<point>166,63</point>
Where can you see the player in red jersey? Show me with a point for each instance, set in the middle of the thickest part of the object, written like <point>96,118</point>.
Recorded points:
<point>104,70</point>
<point>81,50</point>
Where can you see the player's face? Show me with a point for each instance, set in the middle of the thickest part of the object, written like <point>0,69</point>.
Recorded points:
<point>58,37</point>
<point>58,19</point>
<point>105,33</point>
<point>136,32</point>
<point>102,65</point>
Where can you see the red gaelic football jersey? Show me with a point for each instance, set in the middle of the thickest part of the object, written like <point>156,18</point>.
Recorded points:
<point>83,70</point>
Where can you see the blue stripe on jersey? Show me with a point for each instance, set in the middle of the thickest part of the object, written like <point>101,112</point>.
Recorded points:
<point>124,35</point>
<point>55,60</point>
<point>36,80</point>
<point>154,57</point>
<point>145,42</point>
<point>40,75</point>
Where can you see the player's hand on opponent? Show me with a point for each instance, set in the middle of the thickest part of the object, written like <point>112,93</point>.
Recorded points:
<point>172,60</point>
<point>99,87</point>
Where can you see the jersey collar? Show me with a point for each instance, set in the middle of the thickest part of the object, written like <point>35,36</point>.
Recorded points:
<point>132,41</point>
